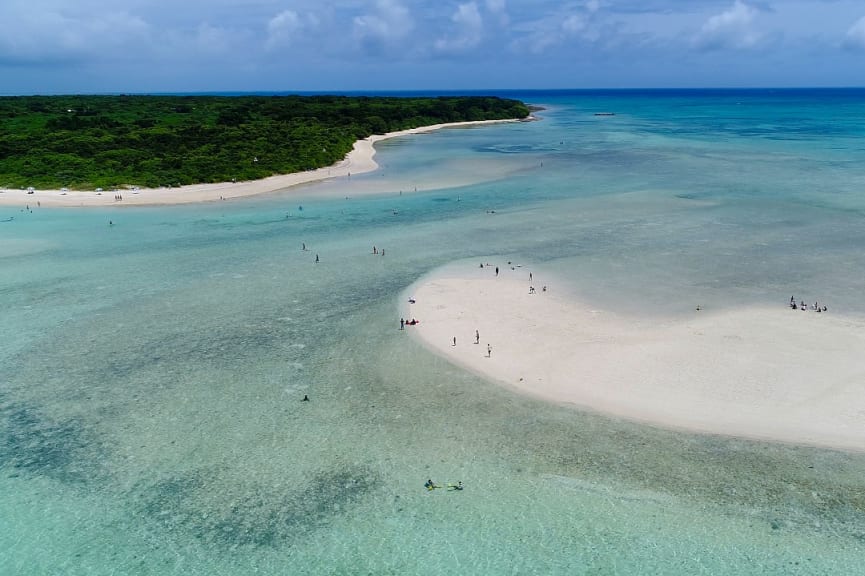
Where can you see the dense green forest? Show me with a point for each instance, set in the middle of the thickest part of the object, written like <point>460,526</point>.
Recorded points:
<point>84,142</point>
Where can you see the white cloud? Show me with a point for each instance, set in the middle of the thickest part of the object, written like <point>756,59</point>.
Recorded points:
<point>388,24</point>
<point>53,35</point>
<point>732,28</point>
<point>468,15</point>
<point>498,9</point>
<point>287,27</point>
<point>283,24</point>
<point>574,24</point>
<point>200,43</point>
<point>468,30</point>
<point>855,38</point>
<point>561,27</point>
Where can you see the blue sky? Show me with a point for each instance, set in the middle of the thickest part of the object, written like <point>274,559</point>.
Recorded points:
<point>87,46</point>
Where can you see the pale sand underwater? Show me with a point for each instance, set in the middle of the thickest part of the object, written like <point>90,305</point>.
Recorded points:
<point>759,372</point>
<point>151,412</point>
<point>359,161</point>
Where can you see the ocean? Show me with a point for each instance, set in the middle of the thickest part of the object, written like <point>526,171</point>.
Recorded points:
<point>152,372</point>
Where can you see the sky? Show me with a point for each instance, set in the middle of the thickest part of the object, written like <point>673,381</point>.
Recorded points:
<point>97,46</point>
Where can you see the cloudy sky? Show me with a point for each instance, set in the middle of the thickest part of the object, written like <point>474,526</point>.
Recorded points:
<point>87,46</point>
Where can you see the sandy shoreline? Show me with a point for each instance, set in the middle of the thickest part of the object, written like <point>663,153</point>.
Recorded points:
<point>358,161</point>
<point>766,373</point>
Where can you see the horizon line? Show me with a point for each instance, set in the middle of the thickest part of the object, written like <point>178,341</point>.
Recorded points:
<point>432,91</point>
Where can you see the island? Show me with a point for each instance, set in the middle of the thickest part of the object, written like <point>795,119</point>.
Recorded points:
<point>76,143</point>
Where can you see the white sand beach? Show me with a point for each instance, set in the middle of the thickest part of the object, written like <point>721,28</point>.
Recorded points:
<point>767,373</point>
<point>358,161</point>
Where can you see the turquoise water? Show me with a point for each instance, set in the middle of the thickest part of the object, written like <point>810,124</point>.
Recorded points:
<point>151,372</point>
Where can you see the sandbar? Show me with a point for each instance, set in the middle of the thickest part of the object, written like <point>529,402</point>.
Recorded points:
<point>760,372</point>
<point>358,161</point>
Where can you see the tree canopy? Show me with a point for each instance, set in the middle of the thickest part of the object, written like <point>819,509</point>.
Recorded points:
<point>85,142</point>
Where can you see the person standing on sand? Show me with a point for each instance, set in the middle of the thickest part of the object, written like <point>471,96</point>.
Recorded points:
<point>402,323</point>
<point>497,270</point>
<point>455,340</point>
<point>489,351</point>
<point>477,337</point>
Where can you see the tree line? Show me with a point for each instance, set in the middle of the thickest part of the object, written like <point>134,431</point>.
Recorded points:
<point>85,142</point>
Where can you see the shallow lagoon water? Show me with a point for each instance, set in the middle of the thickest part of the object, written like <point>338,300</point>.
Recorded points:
<point>152,371</point>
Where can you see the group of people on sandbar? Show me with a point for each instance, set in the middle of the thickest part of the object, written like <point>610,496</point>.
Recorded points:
<point>802,306</point>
